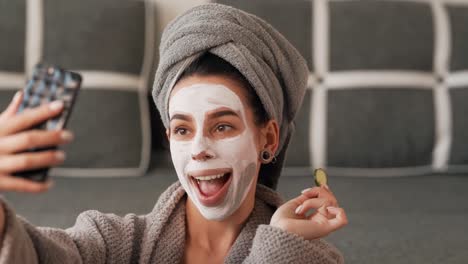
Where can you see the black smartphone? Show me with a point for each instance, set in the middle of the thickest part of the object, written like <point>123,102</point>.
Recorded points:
<point>49,83</point>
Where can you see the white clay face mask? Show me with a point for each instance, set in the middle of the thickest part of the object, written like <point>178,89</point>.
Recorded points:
<point>218,184</point>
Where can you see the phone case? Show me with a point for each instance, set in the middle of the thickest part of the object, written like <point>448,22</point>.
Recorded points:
<point>47,84</point>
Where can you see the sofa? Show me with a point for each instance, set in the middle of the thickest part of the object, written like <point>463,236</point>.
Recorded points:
<point>384,113</point>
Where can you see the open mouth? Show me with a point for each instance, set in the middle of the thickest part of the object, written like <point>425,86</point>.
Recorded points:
<point>211,185</point>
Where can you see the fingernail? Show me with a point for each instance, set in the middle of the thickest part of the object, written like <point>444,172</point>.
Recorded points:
<point>66,136</point>
<point>326,187</point>
<point>56,105</point>
<point>331,208</point>
<point>306,190</point>
<point>60,155</point>
<point>17,95</point>
<point>299,209</point>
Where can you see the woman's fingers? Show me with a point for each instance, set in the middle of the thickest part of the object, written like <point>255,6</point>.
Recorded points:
<point>13,106</point>
<point>309,204</point>
<point>320,226</point>
<point>329,194</point>
<point>30,160</point>
<point>310,229</point>
<point>310,195</point>
<point>291,216</point>
<point>311,192</point>
<point>339,220</point>
<point>10,183</point>
<point>306,194</point>
<point>33,139</point>
<point>30,117</point>
<point>321,192</point>
<point>10,143</point>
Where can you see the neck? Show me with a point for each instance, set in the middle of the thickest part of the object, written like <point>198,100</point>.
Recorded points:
<point>217,235</point>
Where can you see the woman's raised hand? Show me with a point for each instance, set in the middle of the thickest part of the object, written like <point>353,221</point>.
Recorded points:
<point>313,214</point>
<point>16,138</point>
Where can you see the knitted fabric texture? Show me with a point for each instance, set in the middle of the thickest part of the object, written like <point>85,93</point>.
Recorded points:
<point>275,69</point>
<point>158,237</point>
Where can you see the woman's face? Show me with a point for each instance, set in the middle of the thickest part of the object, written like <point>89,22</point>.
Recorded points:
<point>214,143</point>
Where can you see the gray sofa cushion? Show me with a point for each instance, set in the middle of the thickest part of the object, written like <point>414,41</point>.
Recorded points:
<point>458,17</point>
<point>388,85</point>
<point>12,27</point>
<point>95,35</point>
<point>375,35</point>
<point>111,44</point>
<point>458,85</point>
<point>375,128</point>
<point>291,18</point>
<point>459,150</point>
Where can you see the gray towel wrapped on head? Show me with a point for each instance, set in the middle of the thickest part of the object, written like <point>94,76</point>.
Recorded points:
<point>274,68</point>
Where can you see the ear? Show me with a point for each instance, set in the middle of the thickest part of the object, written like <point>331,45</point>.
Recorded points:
<point>270,134</point>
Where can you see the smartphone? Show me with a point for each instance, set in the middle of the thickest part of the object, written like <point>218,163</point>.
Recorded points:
<point>49,83</point>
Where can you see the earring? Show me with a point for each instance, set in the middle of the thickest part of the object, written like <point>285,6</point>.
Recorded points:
<point>266,156</point>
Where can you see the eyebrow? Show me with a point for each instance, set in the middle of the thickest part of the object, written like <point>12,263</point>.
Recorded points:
<point>223,113</point>
<point>181,117</point>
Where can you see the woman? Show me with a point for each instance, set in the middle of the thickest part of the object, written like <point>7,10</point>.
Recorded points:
<point>227,87</point>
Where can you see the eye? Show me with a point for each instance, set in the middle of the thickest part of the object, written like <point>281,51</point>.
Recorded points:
<point>181,131</point>
<point>223,128</point>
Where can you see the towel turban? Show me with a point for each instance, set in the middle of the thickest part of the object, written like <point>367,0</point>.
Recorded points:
<point>275,69</point>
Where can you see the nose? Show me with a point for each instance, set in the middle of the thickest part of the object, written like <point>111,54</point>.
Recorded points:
<point>202,156</point>
<point>200,149</point>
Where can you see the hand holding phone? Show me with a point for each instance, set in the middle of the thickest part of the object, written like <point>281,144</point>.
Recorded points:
<point>48,84</point>
<point>14,140</point>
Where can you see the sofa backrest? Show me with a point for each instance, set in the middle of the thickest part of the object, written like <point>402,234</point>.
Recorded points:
<point>388,86</point>
<point>387,90</point>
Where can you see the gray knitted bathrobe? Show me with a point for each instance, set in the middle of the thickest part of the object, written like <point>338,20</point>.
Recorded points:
<point>158,237</point>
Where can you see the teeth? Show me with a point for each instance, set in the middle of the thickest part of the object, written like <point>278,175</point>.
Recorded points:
<point>208,178</point>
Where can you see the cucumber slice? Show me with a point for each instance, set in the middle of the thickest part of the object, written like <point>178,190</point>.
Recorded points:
<point>320,177</point>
